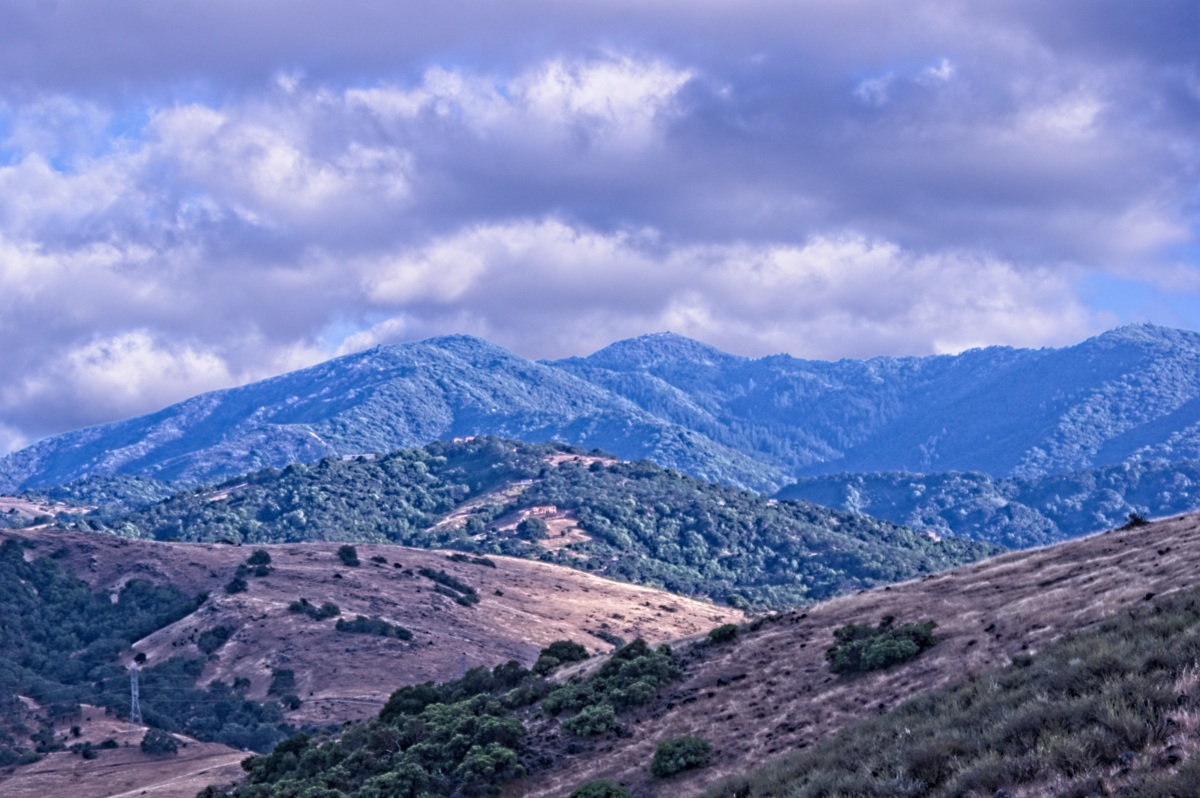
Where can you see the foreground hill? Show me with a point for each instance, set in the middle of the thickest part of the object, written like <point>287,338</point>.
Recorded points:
<point>246,667</point>
<point>1067,670</point>
<point>633,521</point>
<point>1015,512</point>
<point>1129,394</point>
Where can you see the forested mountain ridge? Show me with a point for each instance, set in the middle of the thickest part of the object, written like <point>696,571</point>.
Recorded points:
<point>1131,393</point>
<point>374,401</point>
<point>1127,395</point>
<point>636,522</point>
<point>1015,512</point>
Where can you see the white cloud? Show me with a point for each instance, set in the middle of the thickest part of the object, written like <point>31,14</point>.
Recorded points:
<point>874,91</point>
<point>832,296</point>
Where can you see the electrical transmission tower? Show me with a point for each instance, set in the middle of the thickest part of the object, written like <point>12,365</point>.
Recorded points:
<point>135,708</point>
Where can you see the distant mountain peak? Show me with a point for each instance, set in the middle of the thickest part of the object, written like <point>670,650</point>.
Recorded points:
<point>655,349</point>
<point>1145,334</point>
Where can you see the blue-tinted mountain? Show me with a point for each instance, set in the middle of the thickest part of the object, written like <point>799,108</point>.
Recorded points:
<point>376,401</point>
<point>1016,512</point>
<point>1129,395</point>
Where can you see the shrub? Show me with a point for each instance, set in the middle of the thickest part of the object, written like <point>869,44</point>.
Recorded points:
<point>373,626</point>
<point>259,557</point>
<point>157,742</point>
<point>863,648</point>
<point>723,633</point>
<point>237,585</point>
<point>327,610</point>
<point>532,529</point>
<point>214,638</point>
<point>558,653</point>
<point>679,754</point>
<point>1135,520</point>
<point>601,788</point>
<point>593,720</point>
<point>348,555</point>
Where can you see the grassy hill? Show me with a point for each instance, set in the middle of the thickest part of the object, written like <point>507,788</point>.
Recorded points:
<point>248,668</point>
<point>1067,670</point>
<point>636,521</point>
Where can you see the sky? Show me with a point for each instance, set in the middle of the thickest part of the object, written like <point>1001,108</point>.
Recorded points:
<point>199,193</point>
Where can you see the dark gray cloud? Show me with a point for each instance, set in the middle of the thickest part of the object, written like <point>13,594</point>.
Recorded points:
<point>203,193</point>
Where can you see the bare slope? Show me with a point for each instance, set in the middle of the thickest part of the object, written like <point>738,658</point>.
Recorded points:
<point>523,607</point>
<point>771,691</point>
<point>123,772</point>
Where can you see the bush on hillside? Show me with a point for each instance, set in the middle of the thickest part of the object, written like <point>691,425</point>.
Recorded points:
<point>679,754</point>
<point>259,557</point>
<point>863,648</point>
<point>348,555</point>
<point>591,721</point>
<point>157,742</point>
<point>723,633</point>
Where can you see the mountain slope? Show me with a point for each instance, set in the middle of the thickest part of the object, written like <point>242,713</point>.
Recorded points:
<point>374,401</point>
<point>770,693</point>
<point>1133,392</point>
<point>633,521</point>
<point>1129,394</point>
<point>1014,512</point>
<point>1068,669</point>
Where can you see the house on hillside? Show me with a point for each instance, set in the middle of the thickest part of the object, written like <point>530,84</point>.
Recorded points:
<point>542,511</point>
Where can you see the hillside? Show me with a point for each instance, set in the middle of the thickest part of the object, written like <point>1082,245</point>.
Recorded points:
<point>987,614</point>
<point>632,521</point>
<point>255,641</point>
<point>1129,394</point>
<point>1014,512</point>
<point>1044,617</point>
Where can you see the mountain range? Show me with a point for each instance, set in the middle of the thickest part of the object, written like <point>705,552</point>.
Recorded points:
<point>1131,395</point>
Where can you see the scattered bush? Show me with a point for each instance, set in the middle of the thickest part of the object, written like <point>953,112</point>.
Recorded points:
<point>237,585</point>
<point>723,633</point>
<point>558,653</point>
<point>679,754</point>
<point>601,788</point>
<point>348,555</point>
<point>214,638</point>
<point>1135,520</point>
<point>157,742</point>
<point>591,721</point>
<point>327,610</point>
<point>259,557</point>
<point>863,648</point>
<point>373,626</point>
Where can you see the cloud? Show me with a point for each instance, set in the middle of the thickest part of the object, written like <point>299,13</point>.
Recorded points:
<point>204,195</point>
<point>827,297</point>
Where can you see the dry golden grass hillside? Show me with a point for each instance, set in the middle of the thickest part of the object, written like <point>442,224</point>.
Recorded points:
<point>771,692</point>
<point>340,676</point>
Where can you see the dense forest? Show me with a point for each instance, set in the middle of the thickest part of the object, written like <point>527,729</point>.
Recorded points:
<point>61,646</point>
<point>642,523</point>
